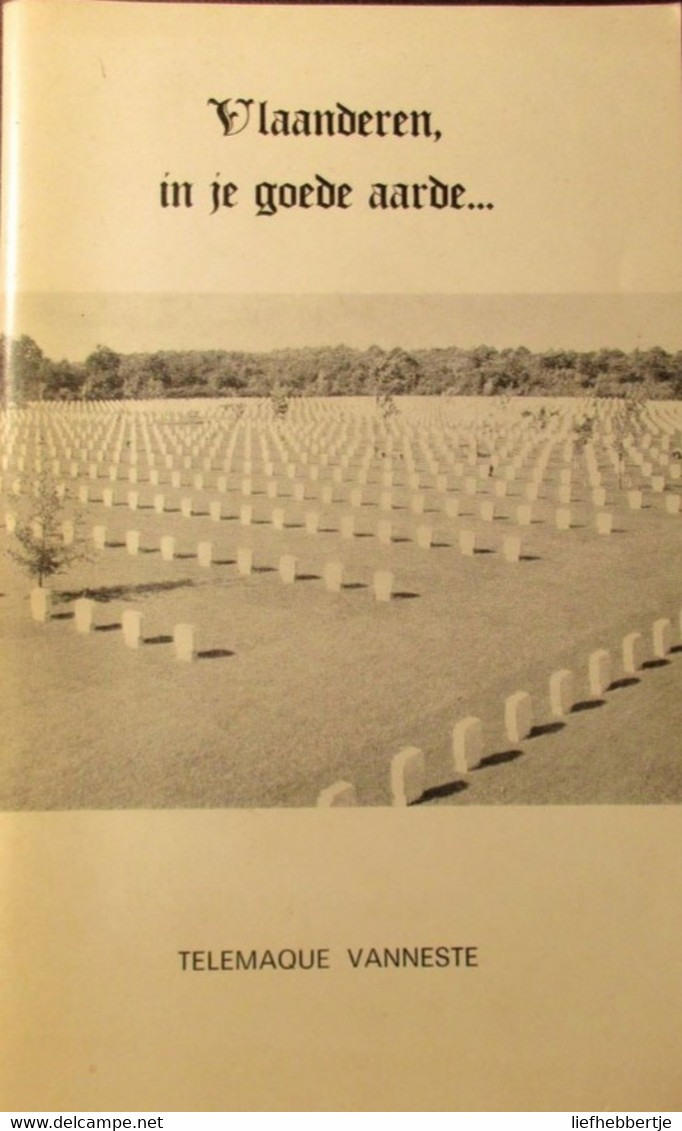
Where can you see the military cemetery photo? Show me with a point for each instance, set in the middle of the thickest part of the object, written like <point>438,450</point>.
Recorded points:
<point>341,576</point>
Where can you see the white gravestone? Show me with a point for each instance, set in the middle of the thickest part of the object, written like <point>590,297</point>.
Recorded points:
<point>341,793</point>
<point>132,628</point>
<point>467,743</point>
<point>561,693</point>
<point>599,671</point>
<point>518,716</point>
<point>183,642</point>
<point>408,776</point>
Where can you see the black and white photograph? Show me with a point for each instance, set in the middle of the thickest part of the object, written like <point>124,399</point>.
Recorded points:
<point>340,541</point>
<point>343,571</point>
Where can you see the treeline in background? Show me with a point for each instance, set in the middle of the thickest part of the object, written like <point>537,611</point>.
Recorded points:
<point>28,375</point>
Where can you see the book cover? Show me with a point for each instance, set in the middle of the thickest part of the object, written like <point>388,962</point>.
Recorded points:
<point>341,530</point>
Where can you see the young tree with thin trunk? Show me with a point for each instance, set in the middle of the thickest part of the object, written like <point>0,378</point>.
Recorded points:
<point>41,549</point>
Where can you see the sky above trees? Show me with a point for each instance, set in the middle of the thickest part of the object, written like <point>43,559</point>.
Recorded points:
<point>71,326</point>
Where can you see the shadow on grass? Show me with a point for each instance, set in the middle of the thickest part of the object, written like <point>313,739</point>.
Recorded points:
<point>546,728</point>
<point>587,705</point>
<point>498,759</point>
<point>447,789</point>
<point>627,681</point>
<point>119,592</point>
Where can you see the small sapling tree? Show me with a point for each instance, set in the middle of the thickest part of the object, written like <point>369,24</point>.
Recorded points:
<point>387,406</point>
<point>41,548</point>
<point>230,412</point>
<point>583,431</point>
<point>541,418</point>
<point>280,402</point>
<point>626,418</point>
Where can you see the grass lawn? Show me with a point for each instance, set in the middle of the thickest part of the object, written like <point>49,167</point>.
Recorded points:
<point>295,686</point>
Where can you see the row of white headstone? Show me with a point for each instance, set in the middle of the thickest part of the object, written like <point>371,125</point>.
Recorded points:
<point>447,499</point>
<point>467,540</point>
<point>122,436</point>
<point>289,566</point>
<point>42,604</point>
<point>441,467</point>
<point>487,511</point>
<point>408,776</point>
<point>512,545</point>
